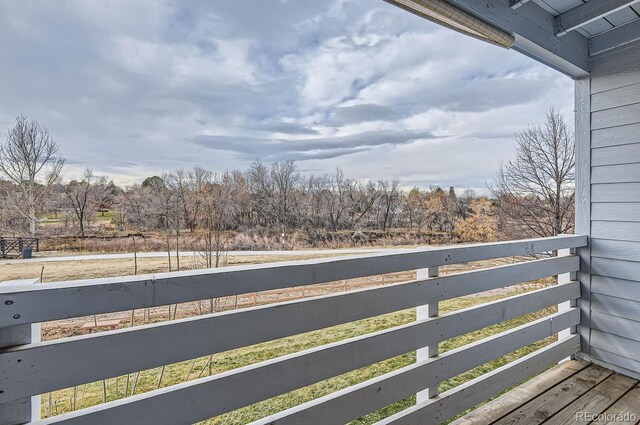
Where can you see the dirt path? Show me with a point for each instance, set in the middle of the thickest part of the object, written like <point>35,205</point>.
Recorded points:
<point>50,257</point>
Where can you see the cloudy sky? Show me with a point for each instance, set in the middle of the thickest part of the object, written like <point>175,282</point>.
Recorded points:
<point>133,88</point>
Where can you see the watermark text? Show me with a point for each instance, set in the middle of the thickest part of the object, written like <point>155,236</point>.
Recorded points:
<point>605,417</point>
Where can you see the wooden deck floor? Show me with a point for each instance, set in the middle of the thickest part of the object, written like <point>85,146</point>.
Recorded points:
<point>573,392</point>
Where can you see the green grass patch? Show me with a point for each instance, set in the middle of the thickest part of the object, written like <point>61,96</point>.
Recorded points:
<point>91,394</point>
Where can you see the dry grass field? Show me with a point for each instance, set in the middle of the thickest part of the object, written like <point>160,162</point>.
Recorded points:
<point>90,269</point>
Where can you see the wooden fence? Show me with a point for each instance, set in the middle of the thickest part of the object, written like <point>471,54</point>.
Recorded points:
<point>12,247</point>
<point>31,368</point>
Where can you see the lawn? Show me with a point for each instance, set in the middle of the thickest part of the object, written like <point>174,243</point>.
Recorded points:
<point>90,394</point>
<point>59,217</point>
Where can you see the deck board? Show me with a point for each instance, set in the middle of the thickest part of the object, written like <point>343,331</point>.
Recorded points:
<point>498,408</point>
<point>555,399</point>
<point>595,401</point>
<point>561,395</point>
<point>627,405</point>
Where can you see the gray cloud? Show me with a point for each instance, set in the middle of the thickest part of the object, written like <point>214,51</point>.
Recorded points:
<point>285,128</point>
<point>305,149</point>
<point>361,113</point>
<point>130,97</point>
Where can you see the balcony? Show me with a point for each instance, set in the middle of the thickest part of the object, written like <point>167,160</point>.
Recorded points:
<point>31,368</point>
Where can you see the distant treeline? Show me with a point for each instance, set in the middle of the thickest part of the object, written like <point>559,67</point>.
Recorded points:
<point>266,196</point>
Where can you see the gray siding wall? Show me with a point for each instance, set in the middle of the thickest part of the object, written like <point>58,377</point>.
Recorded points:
<point>613,309</point>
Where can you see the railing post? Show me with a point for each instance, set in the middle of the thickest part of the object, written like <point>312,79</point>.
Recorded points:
<point>424,312</point>
<point>567,305</point>
<point>27,409</point>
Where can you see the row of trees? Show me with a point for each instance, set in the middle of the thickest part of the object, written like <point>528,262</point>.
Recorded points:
<point>533,195</point>
<point>274,196</point>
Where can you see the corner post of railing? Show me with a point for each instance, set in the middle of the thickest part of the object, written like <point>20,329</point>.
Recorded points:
<point>424,312</point>
<point>566,278</point>
<point>28,409</point>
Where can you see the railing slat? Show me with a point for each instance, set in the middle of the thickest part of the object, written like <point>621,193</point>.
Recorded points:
<point>429,310</point>
<point>24,409</point>
<point>248,385</point>
<point>70,361</point>
<point>358,400</point>
<point>474,392</point>
<point>80,298</point>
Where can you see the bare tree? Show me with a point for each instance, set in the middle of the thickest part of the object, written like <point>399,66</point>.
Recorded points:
<point>239,186</point>
<point>389,199</point>
<point>441,210</point>
<point>164,203</point>
<point>187,187</point>
<point>262,192</point>
<point>105,195</point>
<point>535,191</point>
<point>134,207</point>
<point>315,189</point>
<point>30,160</point>
<point>217,208</point>
<point>11,220</point>
<point>338,199</point>
<point>363,197</point>
<point>285,178</point>
<point>81,198</point>
<point>414,206</point>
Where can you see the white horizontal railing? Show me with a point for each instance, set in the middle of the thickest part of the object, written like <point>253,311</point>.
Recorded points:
<point>86,297</point>
<point>35,368</point>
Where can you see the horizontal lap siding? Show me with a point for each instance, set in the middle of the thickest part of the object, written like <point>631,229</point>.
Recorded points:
<point>619,173</point>
<point>614,136</point>
<point>621,288</point>
<point>615,325</point>
<point>615,69</point>
<point>614,117</point>
<point>613,155</point>
<point>615,209</point>
<point>612,343</point>
<point>622,364</point>
<point>616,230</point>
<point>620,307</point>
<point>622,96</point>
<point>619,269</point>
<point>616,192</point>
<point>616,250</point>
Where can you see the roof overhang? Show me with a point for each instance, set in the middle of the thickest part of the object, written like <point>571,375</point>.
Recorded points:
<point>557,38</point>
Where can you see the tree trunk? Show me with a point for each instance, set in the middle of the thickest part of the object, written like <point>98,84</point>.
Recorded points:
<point>178,248</point>
<point>32,215</point>
<point>168,250</point>
<point>81,220</point>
